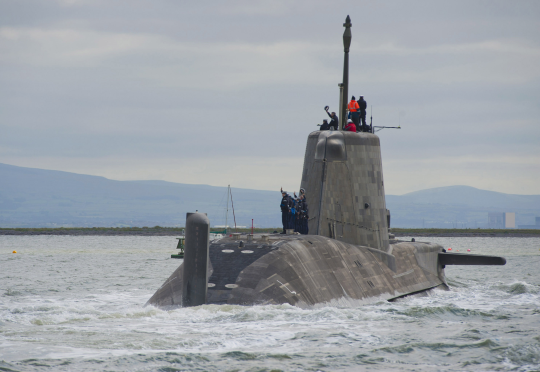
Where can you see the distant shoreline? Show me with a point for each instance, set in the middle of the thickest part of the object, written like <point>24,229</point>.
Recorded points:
<point>116,231</point>
<point>469,233</point>
<point>177,231</point>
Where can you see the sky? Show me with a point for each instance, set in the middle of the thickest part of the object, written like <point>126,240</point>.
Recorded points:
<point>226,92</point>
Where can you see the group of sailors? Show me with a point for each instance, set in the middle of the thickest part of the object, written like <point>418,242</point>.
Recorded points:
<point>356,121</point>
<point>294,212</point>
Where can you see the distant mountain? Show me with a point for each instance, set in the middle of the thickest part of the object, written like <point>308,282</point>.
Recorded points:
<point>36,197</point>
<point>458,206</point>
<point>44,198</point>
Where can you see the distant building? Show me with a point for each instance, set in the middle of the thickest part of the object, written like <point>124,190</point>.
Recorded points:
<point>509,220</point>
<point>495,220</point>
<point>535,226</point>
<point>501,220</point>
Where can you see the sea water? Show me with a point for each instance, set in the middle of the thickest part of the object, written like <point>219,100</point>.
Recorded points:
<point>77,304</point>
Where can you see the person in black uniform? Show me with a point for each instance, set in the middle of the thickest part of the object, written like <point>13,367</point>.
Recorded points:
<point>292,213</point>
<point>303,215</point>
<point>334,121</point>
<point>302,193</point>
<point>285,210</point>
<point>363,108</point>
<point>297,215</point>
<point>325,125</point>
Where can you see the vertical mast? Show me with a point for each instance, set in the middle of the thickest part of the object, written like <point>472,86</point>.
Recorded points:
<point>232,205</point>
<point>341,118</point>
<point>347,36</point>
<point>227,213</point>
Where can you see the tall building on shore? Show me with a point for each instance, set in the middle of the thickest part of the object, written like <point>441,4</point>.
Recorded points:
<point>501,220</point>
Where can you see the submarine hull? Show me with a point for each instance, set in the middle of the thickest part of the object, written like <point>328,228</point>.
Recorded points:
<point>349,256</point>
<point>307,270</point>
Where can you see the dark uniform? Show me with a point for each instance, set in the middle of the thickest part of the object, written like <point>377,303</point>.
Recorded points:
<point>334,122</point>
<point>286,204</point>
<point>303,228</point>
<point>363,107</point>
<point>298,215</point>
<point>292,214</point>
<point>325,125</point>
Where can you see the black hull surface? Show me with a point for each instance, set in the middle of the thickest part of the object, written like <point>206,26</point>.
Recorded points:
<point>308,270</point>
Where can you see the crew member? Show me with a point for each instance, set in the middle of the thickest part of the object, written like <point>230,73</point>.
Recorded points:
<point>285,209</point>
<point>298,214</point>
<point>325,125</point>
<point>292,213</point>
<point>353,110</point>
<point>363,107</point>
<point>334,122</point>
<point>350,127</point>
<point>303,215</point>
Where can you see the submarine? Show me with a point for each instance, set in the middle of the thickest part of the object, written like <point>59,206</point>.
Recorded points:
<point>347,256</point>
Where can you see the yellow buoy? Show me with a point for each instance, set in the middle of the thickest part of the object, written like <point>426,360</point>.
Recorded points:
<point>14,251</point>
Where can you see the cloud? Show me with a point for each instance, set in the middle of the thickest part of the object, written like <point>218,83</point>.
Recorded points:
<point>68,47</point>
<point>120,87</point>
<point>164,61</point>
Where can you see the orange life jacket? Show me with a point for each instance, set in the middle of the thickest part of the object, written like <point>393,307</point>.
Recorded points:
<point>353,106</point>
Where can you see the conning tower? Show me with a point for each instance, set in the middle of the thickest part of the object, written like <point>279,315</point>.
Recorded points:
<point>343,179</point>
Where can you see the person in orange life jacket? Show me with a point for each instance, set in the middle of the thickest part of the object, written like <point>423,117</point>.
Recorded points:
<point>363,107</point>
<point>350,127</point>
<point>353,111</point>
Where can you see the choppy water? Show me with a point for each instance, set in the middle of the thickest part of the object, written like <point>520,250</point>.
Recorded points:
<point>75,304</point>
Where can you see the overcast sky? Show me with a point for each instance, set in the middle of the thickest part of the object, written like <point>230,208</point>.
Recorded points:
<point>226,92</point>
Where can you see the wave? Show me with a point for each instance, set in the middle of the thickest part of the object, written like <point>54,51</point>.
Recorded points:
<point>519,287</point>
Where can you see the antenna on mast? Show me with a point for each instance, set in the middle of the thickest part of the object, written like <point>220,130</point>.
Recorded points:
<point>373,130</point>
<point>371,120</point>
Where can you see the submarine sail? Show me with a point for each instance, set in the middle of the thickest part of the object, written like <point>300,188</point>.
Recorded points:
<point>344,185</point>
